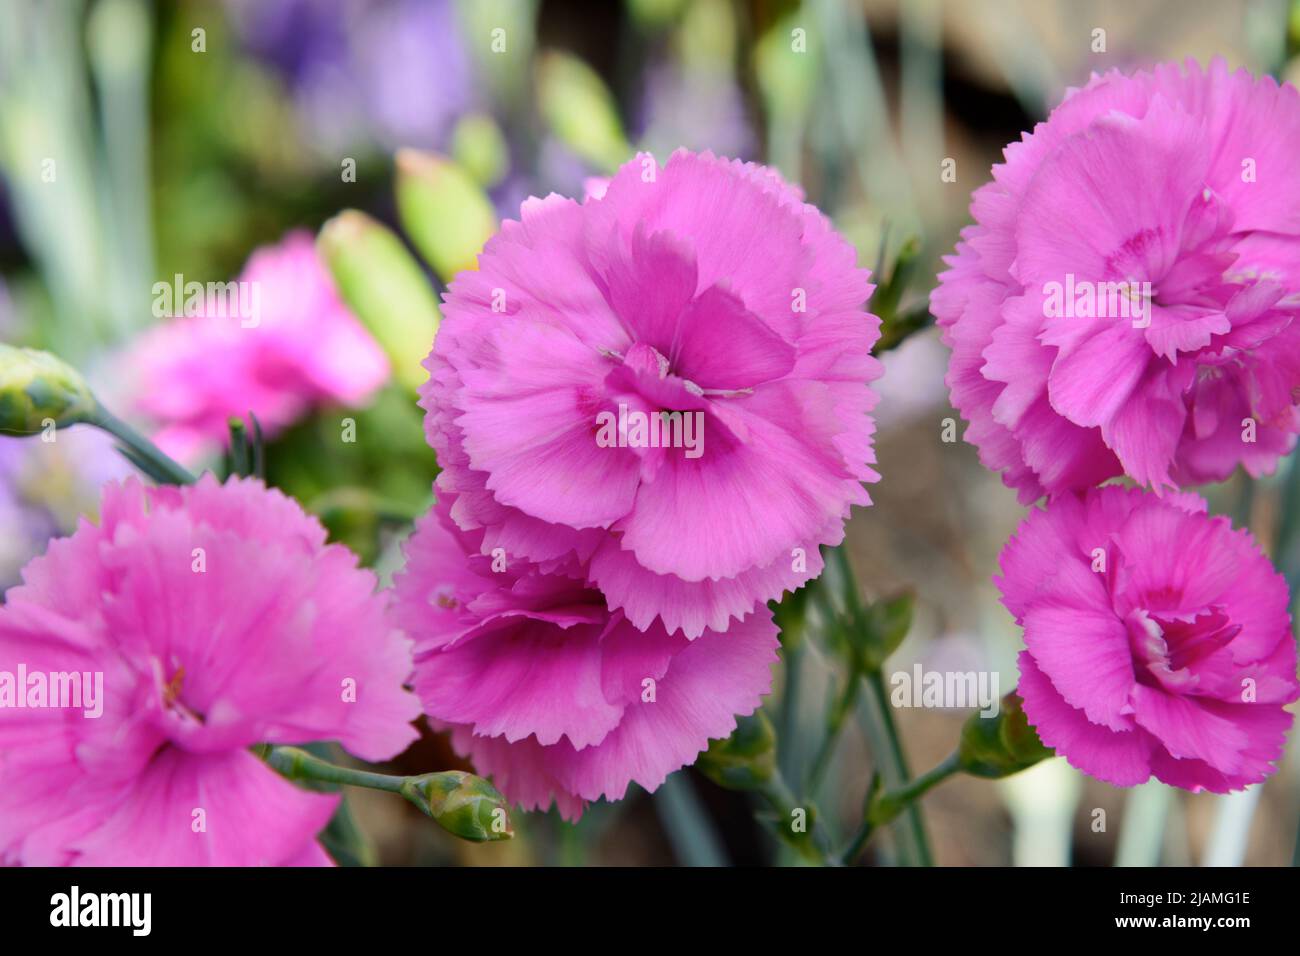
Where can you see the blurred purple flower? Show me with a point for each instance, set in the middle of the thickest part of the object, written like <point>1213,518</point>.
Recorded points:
<point>396,71</point>
<point>684,108</point>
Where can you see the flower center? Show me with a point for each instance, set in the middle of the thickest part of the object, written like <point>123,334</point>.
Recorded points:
<point>1167,650</point>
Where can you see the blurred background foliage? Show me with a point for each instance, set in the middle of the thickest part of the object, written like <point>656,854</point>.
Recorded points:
<point>182,152</point>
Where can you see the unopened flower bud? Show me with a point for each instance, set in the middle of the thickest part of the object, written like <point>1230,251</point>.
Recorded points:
<point>37,389</point>
<point>744,761</point>
<point>463,804</point>
<point>885,625</point>
<point>443,210</point>
<point>384,287</point>
<point>1002,745</point>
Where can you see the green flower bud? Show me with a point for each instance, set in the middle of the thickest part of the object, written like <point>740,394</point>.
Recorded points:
<point>706,40</point>
<point>464,805</point>
<point>37,390</point>
<point>444,211</point>
<point>884,627</point>
<point>480,148</point>
<point>580,111</point>
<point>384,287</point>
<point>1002,745</point>
<point>896,323</point>
<point>744,761</point>
<point>787,76</point>
<point>791,616</point>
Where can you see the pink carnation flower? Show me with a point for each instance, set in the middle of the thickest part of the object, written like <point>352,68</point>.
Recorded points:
<point>1125,302</point>
<point>257,637</point>
<point>301,349</point>
<point>705,287</point>
<point>1157,640</point>
<point>551,693</point>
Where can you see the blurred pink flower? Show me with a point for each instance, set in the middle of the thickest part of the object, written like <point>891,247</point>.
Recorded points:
<point>549,692</point>
<point>218,619</point>
<point>1157,640</point>
<point>1126,300</point>
<point>302,349</point>
<point>705,287</point>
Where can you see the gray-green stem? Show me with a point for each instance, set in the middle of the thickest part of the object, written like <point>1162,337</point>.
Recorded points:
<point>143,453</point>
<point>834,725</point>
<point>889,751</point>
<point>887,746</point>
<point>884,808</point>
<point>783,802</point>
<point>298,764</point>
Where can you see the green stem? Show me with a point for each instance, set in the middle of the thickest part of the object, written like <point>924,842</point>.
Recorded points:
<point>297,764</point>
<point>783,802</point>
<point>884,808</point>
<point>838,558</point>
<point>788,733</point>
<point>241,462</point>
<point>889,751</point>
<point>143,453</point>
<point>843,705</point>
<point>879,719</point>
<point>687,824</point>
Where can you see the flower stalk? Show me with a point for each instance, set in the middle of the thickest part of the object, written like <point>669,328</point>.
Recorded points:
<point>747,761</point>
<point>884,806</point>
<point>888,748</point>
<point>140,451</point>
<point>39,391</point>
<point>869,636</point>
<point>461,803</point>
<point>989,747</point>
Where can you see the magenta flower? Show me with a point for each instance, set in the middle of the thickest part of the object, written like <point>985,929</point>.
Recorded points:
<point>1157,640</point>
<point>286,345</point>
<point>551,693</point>
<point>1125,302</point>
<point>199,621</point>
<point>702,301</point>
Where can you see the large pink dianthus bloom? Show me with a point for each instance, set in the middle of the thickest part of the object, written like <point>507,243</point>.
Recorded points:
<point>302,348</point>
<point>705,287</point>
<point>1167,198</point>
<point>219,619</point>
<point>1157,640</point>
<point>555,696</point>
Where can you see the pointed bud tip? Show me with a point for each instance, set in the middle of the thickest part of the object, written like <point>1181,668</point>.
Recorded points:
<point>463,804</point>
<point>418,162</point>
<point>345,225</point>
